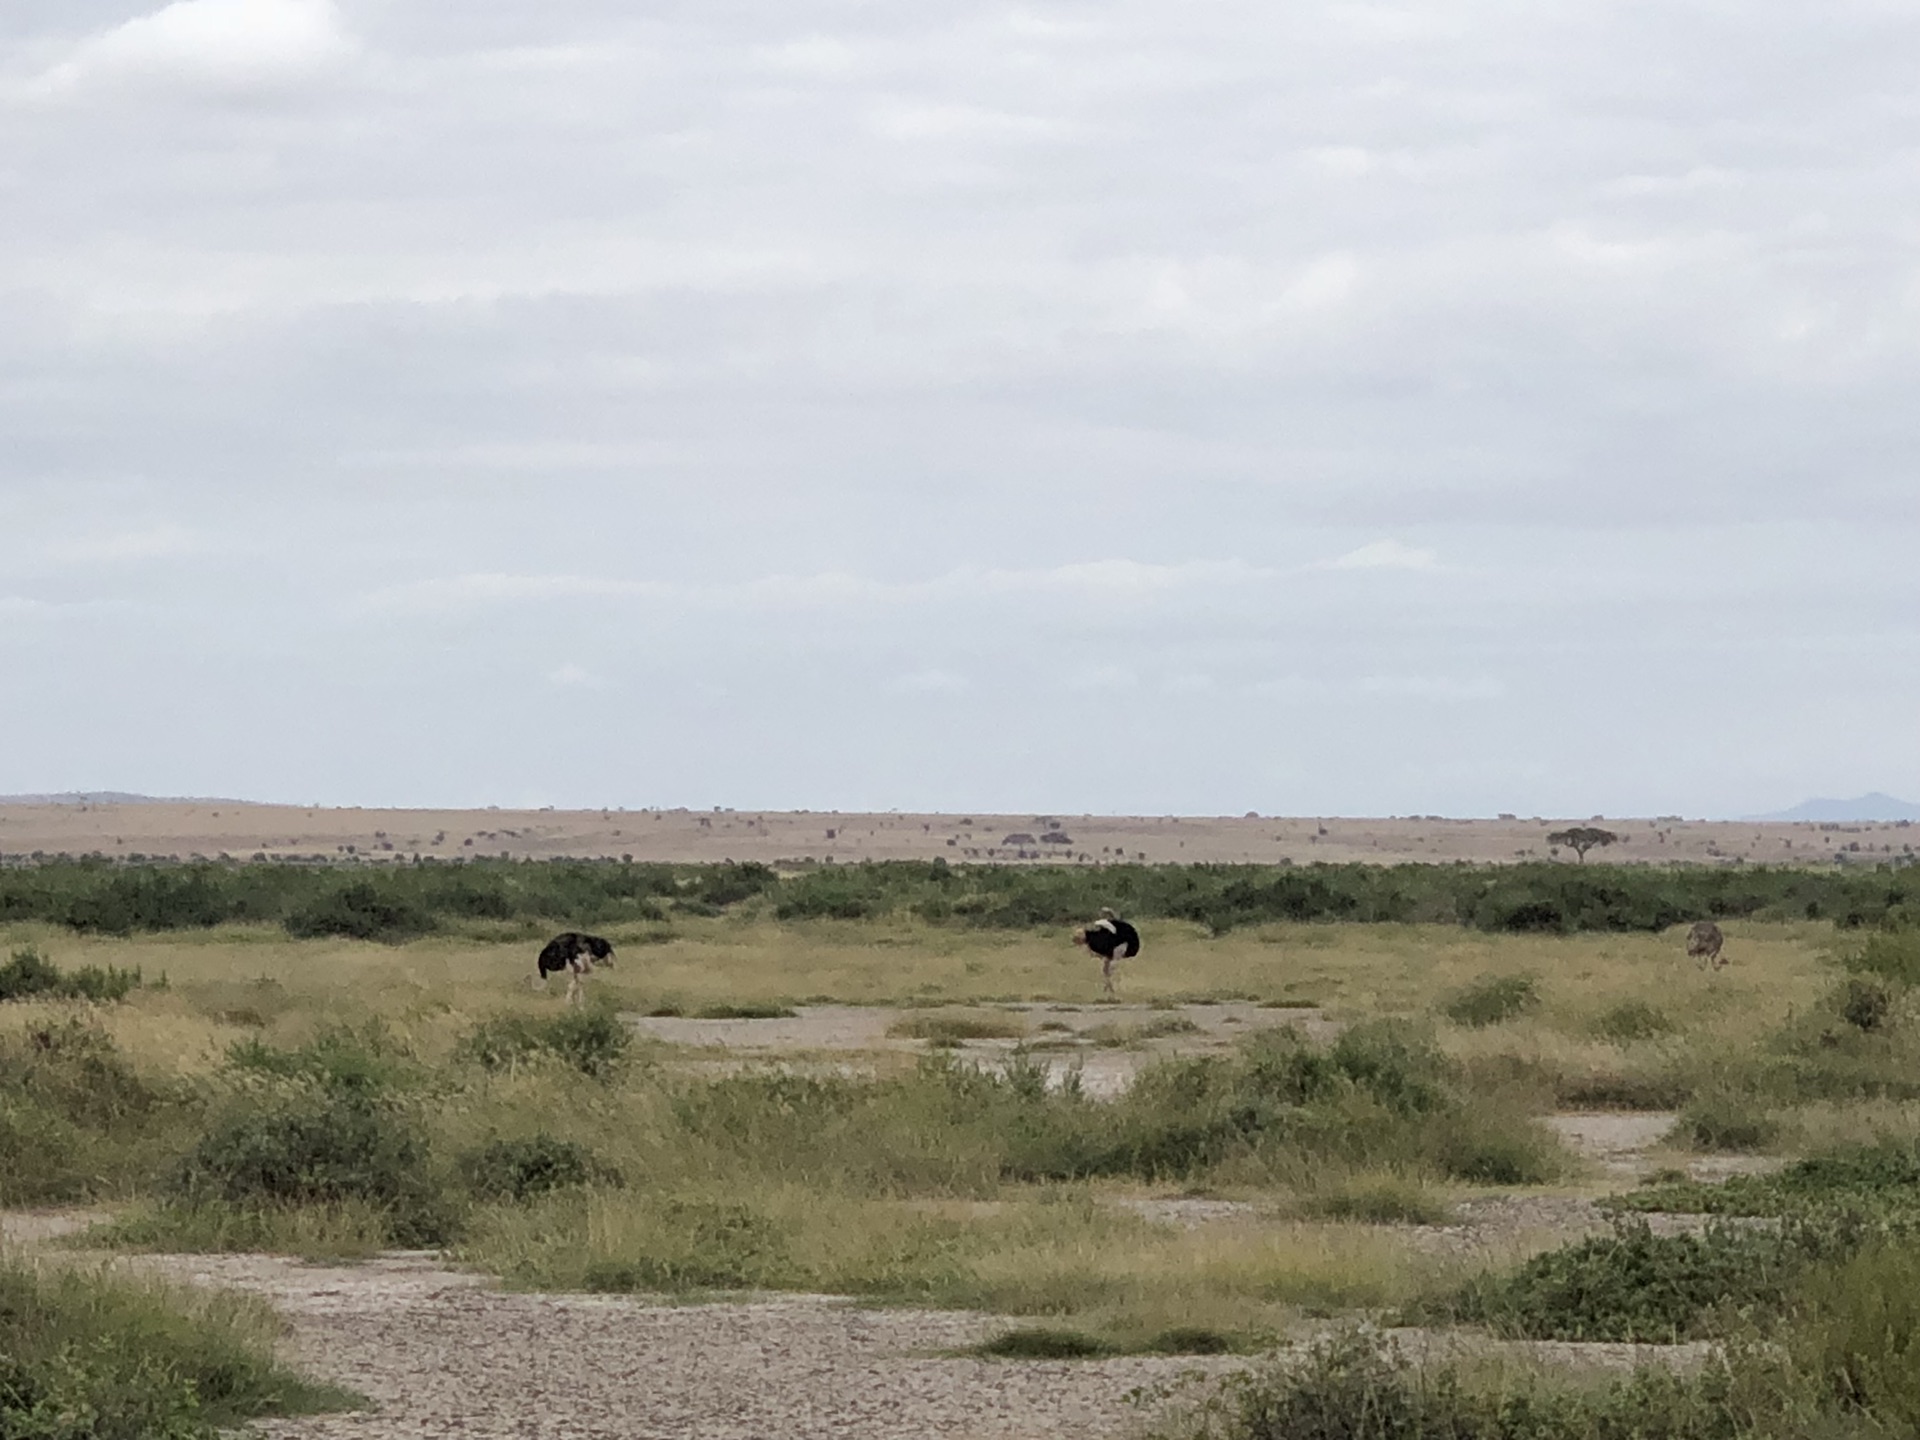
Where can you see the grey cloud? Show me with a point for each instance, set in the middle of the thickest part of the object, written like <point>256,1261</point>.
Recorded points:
<point>1401,407</point>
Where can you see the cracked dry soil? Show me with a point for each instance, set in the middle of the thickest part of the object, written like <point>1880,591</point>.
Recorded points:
<point>443,1353</point>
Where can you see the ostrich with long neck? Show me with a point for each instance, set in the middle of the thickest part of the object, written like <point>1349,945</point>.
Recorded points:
<point>1112,939</point>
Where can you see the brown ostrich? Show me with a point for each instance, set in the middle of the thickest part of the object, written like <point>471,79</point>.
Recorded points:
<point>1703,944</point>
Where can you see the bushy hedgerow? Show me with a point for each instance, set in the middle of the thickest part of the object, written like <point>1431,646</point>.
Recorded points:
<point>397,900</point>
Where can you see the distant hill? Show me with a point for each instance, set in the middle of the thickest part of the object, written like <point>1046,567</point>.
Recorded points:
<point>1867,807</point>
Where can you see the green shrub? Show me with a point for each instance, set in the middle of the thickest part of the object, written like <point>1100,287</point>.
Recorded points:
<point>1865,1004</point>
<point>1492,999</point>
<point>89,1355</point>
<point>1378,1200</point>
<point>699,1244</point>
<point>521,1168</point>
<point>594,1042</point>
<point>29,975</point>
<point>1727,1123</point>
<point>1635,1285</point>
<point>360,910</point>
<point>1632,1020</point>
<point>75,1117</point>
<point>1857,1331</point>
<point>1891,955</point>
<point>1355,1385</point>
<point>301,1143</point>
<point>1878,1179</point>
<point>1038,1342</point>
<point>339,1058</point>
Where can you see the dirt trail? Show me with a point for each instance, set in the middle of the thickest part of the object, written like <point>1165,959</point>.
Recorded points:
<point>443,1353</point>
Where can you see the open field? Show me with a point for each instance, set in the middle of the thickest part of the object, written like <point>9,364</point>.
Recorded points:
<point>215,828</point>
<point>790,1177</point>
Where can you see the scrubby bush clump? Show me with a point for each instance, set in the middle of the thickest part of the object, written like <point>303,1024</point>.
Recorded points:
<point>75,1117</point>
<point>1356,1385</point>
<point>1726,1122</point>
<point>324,1125</point>
<point>1632,1020</point>
<point>594,1042</point>
<point>1879,1179</point>
<point>518,1169</point>
<point>1492,999</point>
<point>300,1143</point>
<point>360,910</point>
<point>93,1356</point>
<point>1634,1285</point>
<point>29,975</point>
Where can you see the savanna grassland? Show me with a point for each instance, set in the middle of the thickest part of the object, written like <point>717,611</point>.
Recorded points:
<point>1260,1183</point>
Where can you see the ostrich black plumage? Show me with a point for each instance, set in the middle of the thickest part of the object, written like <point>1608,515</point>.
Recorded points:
<point>1112,939</point>
<point>577,954</point>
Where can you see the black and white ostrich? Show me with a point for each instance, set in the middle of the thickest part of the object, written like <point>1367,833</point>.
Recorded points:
<point>1112,939</point>
<point>576,954</point>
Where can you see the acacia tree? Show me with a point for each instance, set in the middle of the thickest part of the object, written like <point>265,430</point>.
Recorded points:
<point>1582,838</point>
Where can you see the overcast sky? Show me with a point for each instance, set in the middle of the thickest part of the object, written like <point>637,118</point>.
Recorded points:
<point>1460,406</point>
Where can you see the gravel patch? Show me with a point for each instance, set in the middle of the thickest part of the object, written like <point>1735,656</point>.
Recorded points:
<point>443,1353</point>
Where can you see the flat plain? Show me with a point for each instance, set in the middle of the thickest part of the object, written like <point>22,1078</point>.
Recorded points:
<point>817,1222</point>
<point>214,828</point>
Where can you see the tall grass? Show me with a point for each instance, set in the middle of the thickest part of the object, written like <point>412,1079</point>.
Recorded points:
<point>94,1355</point>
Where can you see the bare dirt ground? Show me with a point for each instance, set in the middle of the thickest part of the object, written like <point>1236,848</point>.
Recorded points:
<point>224,827</point>
<point>1105,1045</point>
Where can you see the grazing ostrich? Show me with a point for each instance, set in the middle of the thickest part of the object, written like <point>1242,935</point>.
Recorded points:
<point>1703,944</point>
<point>576,954</point>
<point>1112,939</point>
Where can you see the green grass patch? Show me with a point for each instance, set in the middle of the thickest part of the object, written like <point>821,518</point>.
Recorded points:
<point>746,1011</point>
<point>1882,1178</point>
<point>88,1355</point>
<point>1043,1342</point>
<point>1492,999</point>
<point>945,1029</point>
<point>1634,1285</point>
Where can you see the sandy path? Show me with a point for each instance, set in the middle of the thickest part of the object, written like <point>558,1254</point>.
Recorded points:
<point>443,1353</point>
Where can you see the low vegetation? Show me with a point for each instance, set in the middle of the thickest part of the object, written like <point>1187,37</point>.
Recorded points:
<point>400,900</point>
<point>96,1356</point>
<point>334,1096</point>
<point>29,975</point>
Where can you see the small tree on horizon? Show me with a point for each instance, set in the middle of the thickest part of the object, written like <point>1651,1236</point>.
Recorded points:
<point>1582,838</point>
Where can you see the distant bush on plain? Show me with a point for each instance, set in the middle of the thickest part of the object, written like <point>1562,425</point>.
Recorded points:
<point>29,975</point>
<point>396,902</point>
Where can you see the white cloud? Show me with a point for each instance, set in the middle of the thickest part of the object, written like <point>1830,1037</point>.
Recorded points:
<point>1432,687</point>
<point>575,677</point>
<point>158,542</point>
<point>1385,555</point>
<point>219,44</point>
<point>1103,678</point>
<point>931,682</point>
